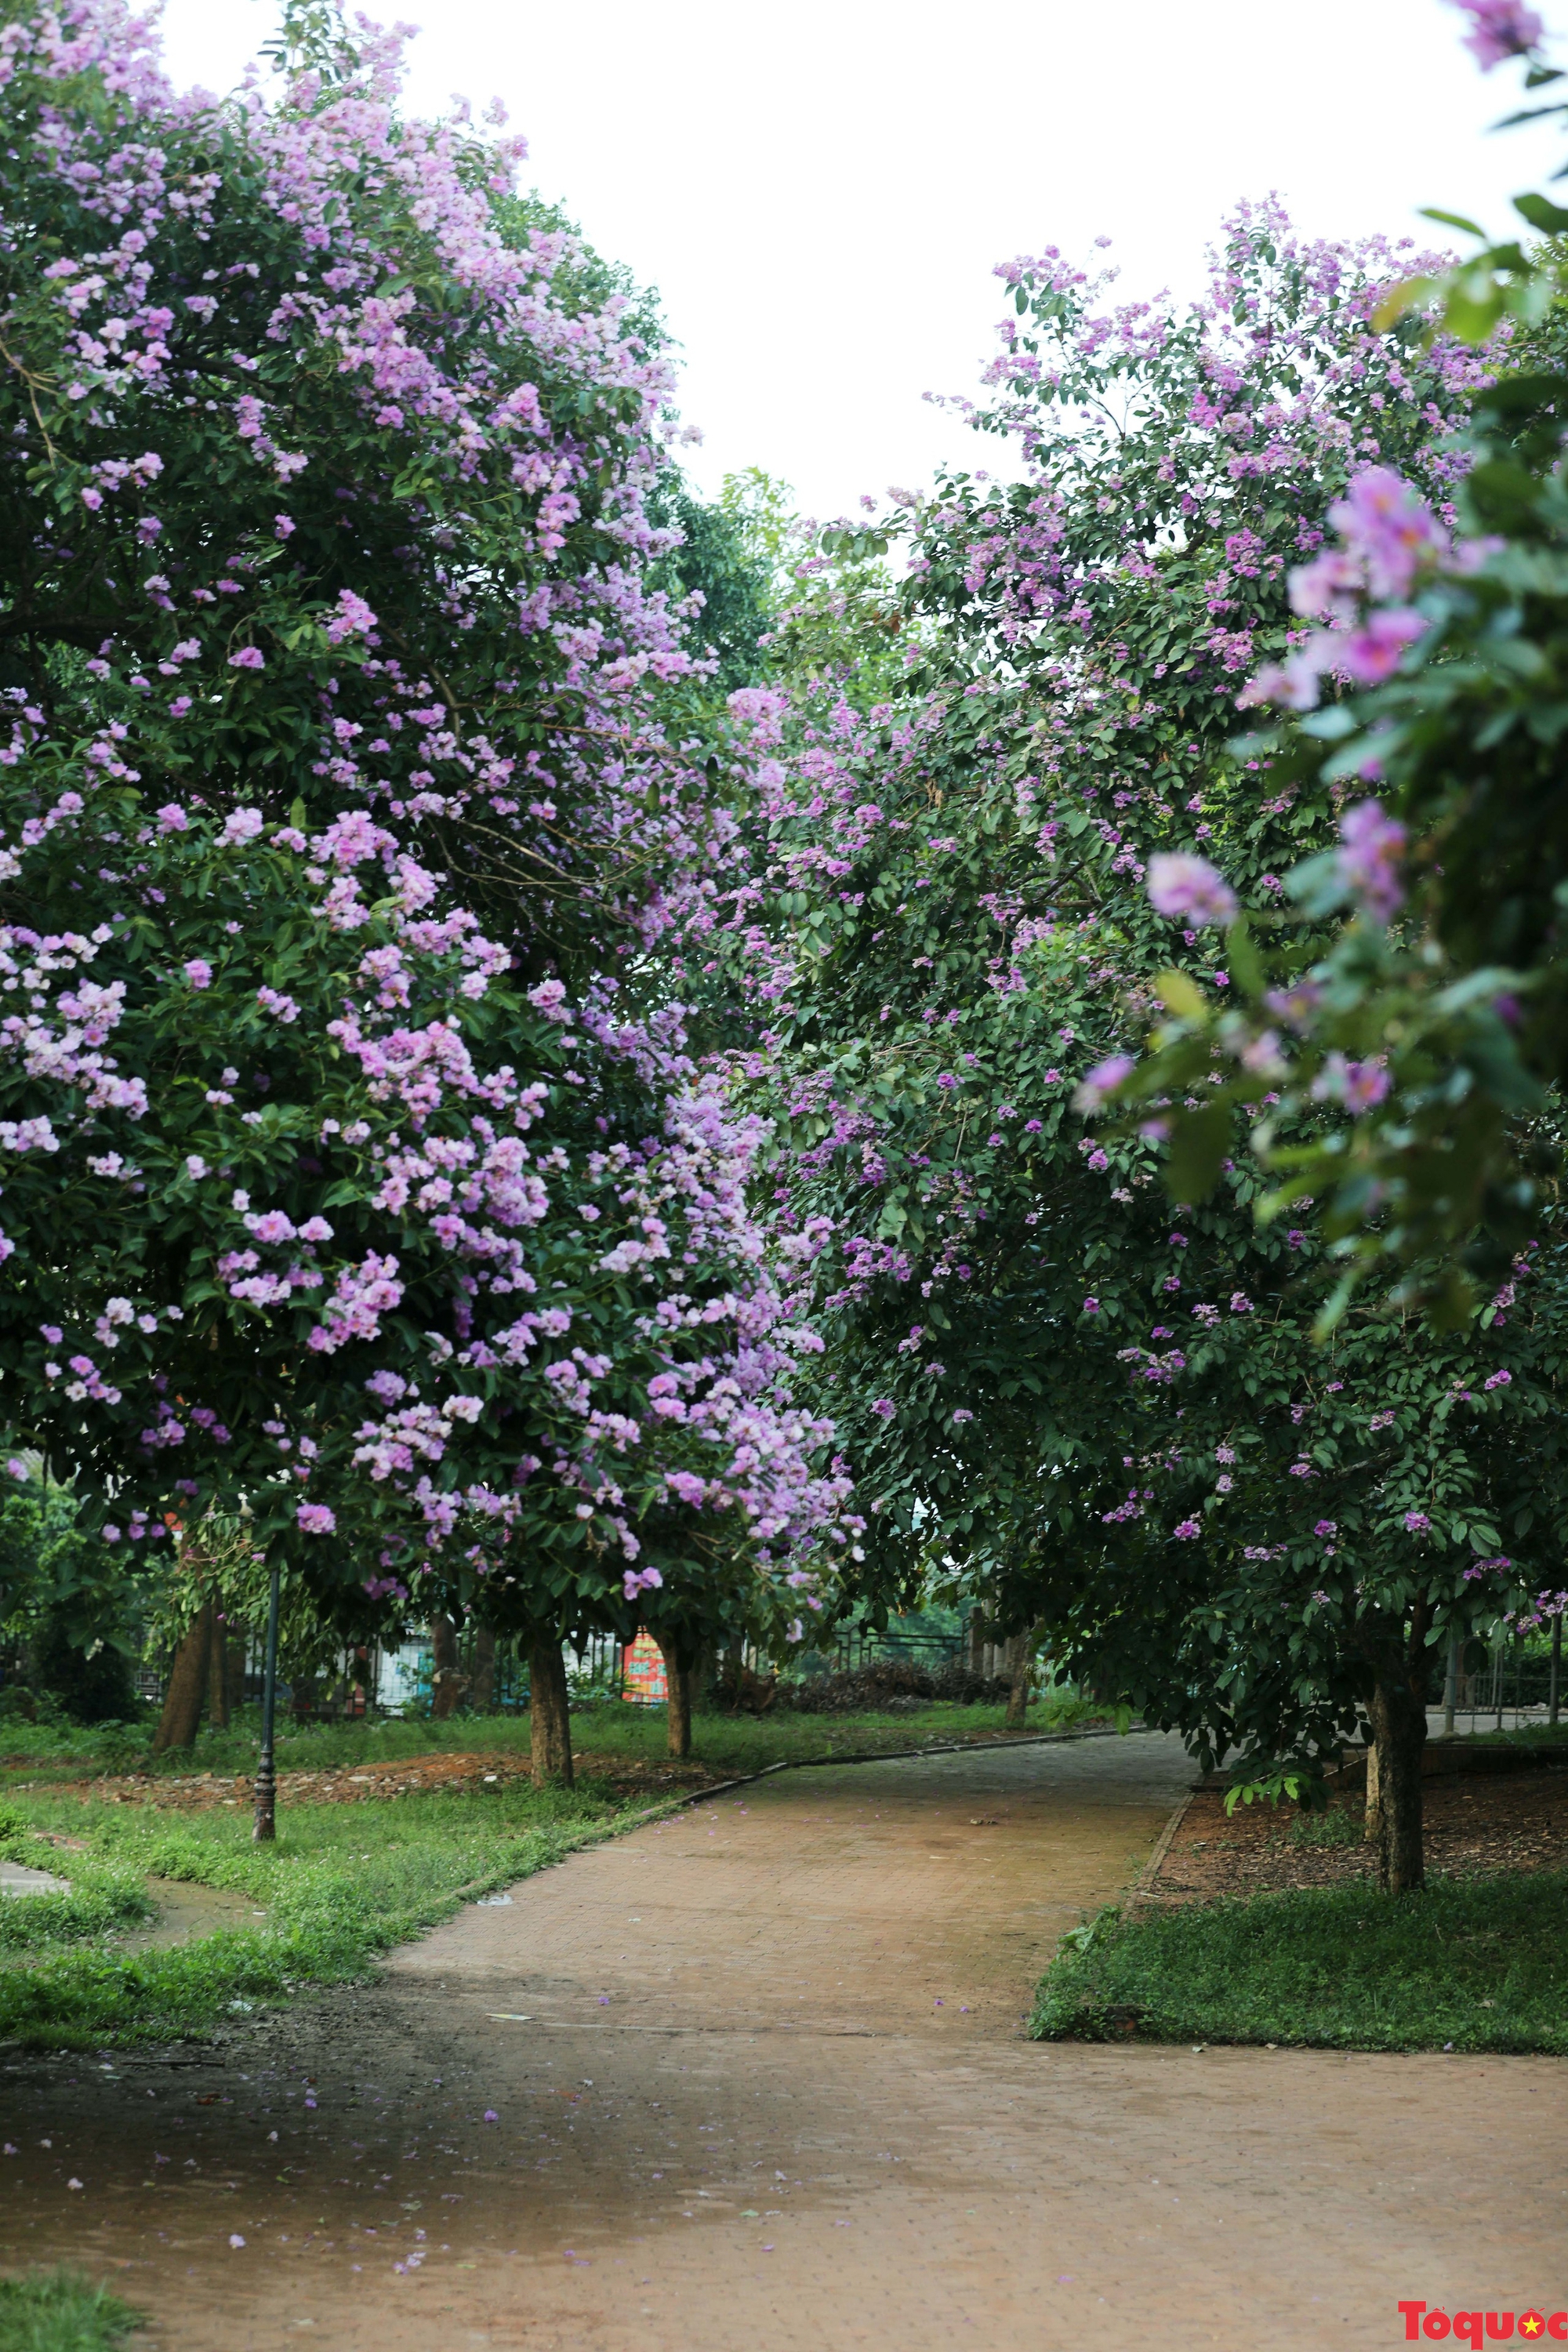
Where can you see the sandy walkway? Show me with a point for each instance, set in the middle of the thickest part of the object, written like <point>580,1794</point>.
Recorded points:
<point>755,2079</point>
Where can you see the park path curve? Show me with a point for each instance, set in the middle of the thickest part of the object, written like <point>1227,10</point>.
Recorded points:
<point>753,2079</point>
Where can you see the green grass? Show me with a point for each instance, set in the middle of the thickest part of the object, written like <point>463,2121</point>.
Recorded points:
<point>1340,1825</point>
<point>1529,1735</point>
<point>732,1743</point>
<point>102,1897</point>
<point>1471,1964</point>
<point>342,1885</point>
<point>742,1743</point>
<point>60,2311</point>
<point>101,1902</point>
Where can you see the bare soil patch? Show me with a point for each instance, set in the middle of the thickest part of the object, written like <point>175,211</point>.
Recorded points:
<point>1475,1827</point>
<point>457,1771</point>
<point>358,1784</point>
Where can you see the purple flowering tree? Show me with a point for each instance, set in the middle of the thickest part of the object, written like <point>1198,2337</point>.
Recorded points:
<point>357,1174</point>
<point>1056,1393</point>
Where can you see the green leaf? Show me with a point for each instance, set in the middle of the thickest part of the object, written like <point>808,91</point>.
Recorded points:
<point>1541,214</point>
<point>1406,296</point>
<point>1242,958</point>
<point>1181,996</point>
<point>1452,220</point>
<point>1198,1144</point>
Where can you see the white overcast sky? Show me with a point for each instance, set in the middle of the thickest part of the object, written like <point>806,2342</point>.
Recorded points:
<point>820,192</point>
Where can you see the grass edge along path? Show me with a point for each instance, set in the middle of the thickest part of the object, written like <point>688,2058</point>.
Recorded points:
<point>328,1921</point>
<point>1471,1964</point>
<point>63,2311</point>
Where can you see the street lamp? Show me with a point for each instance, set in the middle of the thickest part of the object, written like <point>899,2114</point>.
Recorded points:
<point>265,1829</point>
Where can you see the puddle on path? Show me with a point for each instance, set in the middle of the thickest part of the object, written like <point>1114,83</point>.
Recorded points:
<point>185,1912</point>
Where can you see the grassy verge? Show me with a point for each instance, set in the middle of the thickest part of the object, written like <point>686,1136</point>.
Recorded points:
<point>730,1743</point>
<point>1470,1965</point>
<point>340,1886</point>
<point>60,2311</point>
<point>741,1743</point>
<point>1550,1736</point>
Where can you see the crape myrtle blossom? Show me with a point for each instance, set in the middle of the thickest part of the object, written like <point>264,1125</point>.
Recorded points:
<point>1391,544</point>
<point>1182,885</point>
<point>369,984</point>
<point>1369,860</point>
<point>1360,1086</point>
<point>1500,29</point>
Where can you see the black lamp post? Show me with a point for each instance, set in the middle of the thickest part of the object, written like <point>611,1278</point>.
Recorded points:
<point>265,1825</point>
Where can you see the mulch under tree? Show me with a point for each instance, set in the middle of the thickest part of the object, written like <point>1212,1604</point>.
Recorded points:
<point>1474,1827</point>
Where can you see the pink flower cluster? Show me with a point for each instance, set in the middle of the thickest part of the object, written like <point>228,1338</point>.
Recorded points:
<point>1500,29</point>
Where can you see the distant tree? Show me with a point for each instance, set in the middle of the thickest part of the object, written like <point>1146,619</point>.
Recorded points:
<point>69,1600</point>
<point>715,562</point>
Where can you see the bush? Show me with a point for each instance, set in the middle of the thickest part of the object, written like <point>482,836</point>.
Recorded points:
<point>91,1681</point>
<point>896,1683</point>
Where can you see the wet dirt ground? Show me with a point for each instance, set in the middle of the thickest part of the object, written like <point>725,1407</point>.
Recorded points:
<point>755,2077</point>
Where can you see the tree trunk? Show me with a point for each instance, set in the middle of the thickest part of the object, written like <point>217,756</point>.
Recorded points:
<point>1372,1827</point>
<point>550,1713</point>
<point>234,1668</point>
<point>1020,1662</point>
<point>1399,1728</point>
<point>447,1681</point>
<point>217,1676</point>
<point>677,1679</point>
<point>358,1680</point>
<point>704,1672</point>
<point>484,1691</point>
<point>187,1688</point>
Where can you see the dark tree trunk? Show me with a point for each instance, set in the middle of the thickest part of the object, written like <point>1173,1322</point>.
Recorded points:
<point>704,1672</point>
<point>484,1689</point>
<point>187,1691</point>
<point>1398,1715</point>
<point>449,1681</point>
<point>234,1671</point>
<point>550,1713</point>
<point>677,1680</point>
<point>217,1676</point>
<point>360,1682</point>
<point>1020,1666</point>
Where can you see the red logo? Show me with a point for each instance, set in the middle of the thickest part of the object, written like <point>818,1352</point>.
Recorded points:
<point>1478,2328</point>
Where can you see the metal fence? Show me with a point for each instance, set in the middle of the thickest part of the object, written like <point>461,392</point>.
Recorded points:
<point>1504,1685</point>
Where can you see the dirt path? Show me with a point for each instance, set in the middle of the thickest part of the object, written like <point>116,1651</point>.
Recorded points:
<point>754,2078</point>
